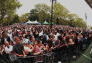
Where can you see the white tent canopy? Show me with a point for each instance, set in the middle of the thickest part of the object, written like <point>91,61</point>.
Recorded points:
<point>29,22</point>
<point>45,22</point>
<point>32,22</point>
<point>36,22</point>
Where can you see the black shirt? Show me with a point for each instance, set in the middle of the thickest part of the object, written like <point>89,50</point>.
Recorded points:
<point>18,48</point>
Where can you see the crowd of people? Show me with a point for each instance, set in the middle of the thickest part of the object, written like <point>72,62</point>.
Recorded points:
<point>27,40</point>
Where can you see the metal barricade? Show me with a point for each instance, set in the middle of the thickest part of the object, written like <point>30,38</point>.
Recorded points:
<point>49,57</point>
<point>43,58</point>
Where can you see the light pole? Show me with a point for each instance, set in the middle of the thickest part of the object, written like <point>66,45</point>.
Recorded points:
<point>52,7</point>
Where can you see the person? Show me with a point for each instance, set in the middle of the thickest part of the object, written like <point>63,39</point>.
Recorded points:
<point>9,33</point>
<point>1,49</point>
<point>28,49</point>
<point>37,50</point>
<point>36,39</point>
<point>4,37</point>
<point>8,48</point>
<point>18,48</point>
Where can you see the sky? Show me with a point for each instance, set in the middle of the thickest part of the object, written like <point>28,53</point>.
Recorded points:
<point>79,7</point>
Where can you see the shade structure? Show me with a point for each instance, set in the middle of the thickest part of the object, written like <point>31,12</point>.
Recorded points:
<point>52,23</point>
<point>29,22</point>
<point>32,22</point>
<point>46,23</point>
<point>36,22</point>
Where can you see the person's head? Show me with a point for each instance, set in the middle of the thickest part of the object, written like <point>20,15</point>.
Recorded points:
<point>6,43</point>
<point>33,38</point>
<point>17,40</point>
<point>36,42</point>
<point>4,34</point>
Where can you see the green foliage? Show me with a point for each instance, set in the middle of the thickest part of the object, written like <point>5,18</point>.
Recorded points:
<point>80,23</point>
<point>15,19</point>
<point>7,9</point>
<point>60,10</point>
<point>24,17</point>
<point>40,13</point>
<point>61,15</point>
<point>42,7</point>
<point>71,16</point>
<point>33,15</point>
<point>43,12</point>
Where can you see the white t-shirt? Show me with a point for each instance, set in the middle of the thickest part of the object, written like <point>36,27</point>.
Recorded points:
<point>27,49</point>
<point>41,33</point>
<point>56,36</point>
<point>9,49</point>
<point>25,40</point>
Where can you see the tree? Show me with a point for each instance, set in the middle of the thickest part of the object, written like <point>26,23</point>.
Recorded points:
<point>42,7</point>
<point>43,16</point>
<point>61,15</point>
<point>15,19</point>
<point>43,12</point>
<point>33,15</point>
<point>8,8</point>
<point>24,17</point>
<point>71,16</point>
<point>79,22</point>
<point>60,10</point>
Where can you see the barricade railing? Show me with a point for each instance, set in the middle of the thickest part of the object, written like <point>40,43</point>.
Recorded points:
<point>64,54</point>
<point>43,58</point>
